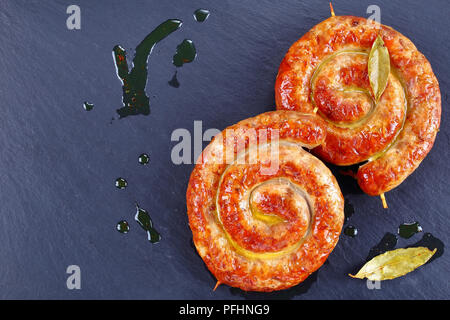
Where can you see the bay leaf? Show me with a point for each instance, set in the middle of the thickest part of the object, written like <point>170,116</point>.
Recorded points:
<point>379,67</point>
<point>394,264</point>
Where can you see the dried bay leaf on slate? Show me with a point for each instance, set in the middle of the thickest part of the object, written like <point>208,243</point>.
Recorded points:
<point>379,67</point>
<point>394,264</point>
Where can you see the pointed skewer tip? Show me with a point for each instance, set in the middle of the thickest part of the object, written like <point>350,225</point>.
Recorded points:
<point>218,283</point>
<point>383,200</point>
<point>332,10</point>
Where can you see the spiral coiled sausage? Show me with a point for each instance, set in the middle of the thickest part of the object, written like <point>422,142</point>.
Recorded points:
<point>260,226</point>
<point>326,72</point>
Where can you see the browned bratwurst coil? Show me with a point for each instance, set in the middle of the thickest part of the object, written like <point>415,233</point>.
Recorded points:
<point>326,72</point>
<point>265,213</point>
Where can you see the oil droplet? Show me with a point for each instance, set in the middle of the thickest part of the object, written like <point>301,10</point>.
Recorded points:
<point>144,159</point>
<point>349,210</point>
<point>121,183</point>
<point>153,236</point>
<point>431,242</point>
<point>143,219</point>
<point>387,243</point>
<point>123,227</point>
<point>407,230</point>
<point>134,98</point>
<point>185,53</point>
<point>174,81</point>
<point>88,106</point>
<point>351,231</point>
<point>201,15</point>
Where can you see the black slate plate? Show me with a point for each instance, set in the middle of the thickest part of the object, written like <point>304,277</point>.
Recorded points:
<point>59,206</point>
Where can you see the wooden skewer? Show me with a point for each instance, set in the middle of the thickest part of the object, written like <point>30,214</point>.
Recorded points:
<point>332,10</point>
<point>217,284</point>
<point>383,200</point>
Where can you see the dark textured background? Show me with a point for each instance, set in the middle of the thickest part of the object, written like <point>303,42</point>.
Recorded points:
<point>58,163</point>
